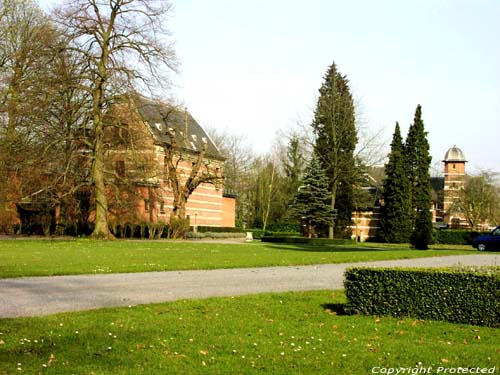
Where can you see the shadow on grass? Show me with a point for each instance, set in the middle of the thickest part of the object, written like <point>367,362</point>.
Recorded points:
<point>332,248</point>
<point>335,308</point>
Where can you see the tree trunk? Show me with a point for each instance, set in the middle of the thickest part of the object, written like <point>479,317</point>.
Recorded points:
<point>331,228</point>
<point>101,230</point>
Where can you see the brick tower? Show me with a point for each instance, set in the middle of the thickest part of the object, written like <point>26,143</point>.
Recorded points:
<point>454,180</point>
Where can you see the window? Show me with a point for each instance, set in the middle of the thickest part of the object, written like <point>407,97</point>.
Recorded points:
<point>146,205</point>
<point>162,207</point>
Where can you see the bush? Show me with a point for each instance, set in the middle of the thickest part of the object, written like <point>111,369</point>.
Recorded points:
<point>456,237</point>
<point>214,235</point>
<point>203,229</point>
<point>469,296</point>
<point>305,240</point>
<point>284,227</point>
<point>178,228</point>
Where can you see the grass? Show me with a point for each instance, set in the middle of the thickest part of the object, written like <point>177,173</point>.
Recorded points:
<point>55,257</point>
<point>289,333</point>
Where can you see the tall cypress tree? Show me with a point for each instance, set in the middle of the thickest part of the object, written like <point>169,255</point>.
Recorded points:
<point>395,221</point>
<point>336,138</point>
<point>311,202</point>
<point>418,161</point>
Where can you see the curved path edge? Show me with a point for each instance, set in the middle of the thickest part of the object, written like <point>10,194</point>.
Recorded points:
<point>36,296</point>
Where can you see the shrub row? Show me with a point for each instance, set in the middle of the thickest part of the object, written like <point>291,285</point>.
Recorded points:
<point>214,235</point>
<point>204,229</point>
<point>455,236</point>
<point>305,240</point>
<point>470,296</point>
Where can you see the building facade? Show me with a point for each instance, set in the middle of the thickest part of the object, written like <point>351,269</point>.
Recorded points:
<point>366,223</point>
<point>143,137</point>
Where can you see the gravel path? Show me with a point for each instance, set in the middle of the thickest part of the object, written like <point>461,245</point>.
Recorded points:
<point>33,296</point>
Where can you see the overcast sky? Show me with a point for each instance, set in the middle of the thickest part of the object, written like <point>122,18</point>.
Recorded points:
<point>254,67</point>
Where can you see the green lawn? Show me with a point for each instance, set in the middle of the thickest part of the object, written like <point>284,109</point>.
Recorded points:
<point>290,333</point>
<point>54,257</point>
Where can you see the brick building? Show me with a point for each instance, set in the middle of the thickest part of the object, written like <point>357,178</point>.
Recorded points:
<point>444,192</point>
<point>138,186</point>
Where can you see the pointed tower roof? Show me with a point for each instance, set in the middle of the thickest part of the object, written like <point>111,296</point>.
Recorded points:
<point>454,154</point>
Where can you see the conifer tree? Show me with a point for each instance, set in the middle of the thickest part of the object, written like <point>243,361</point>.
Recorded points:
<point>395,221</point>
<point>312,201</point>
<point>418,161</point>
<point>336,138</point>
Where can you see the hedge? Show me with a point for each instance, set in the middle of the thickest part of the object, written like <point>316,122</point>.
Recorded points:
<point>305,240</point>
<point>455,236</point>
<point>470,296</point>
<point>214,235</point>
<point>203,229</point>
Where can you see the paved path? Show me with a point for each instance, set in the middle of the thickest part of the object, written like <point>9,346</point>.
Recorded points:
<point>32,296</point>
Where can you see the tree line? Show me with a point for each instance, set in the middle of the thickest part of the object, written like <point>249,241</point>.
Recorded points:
<point>62,74</point>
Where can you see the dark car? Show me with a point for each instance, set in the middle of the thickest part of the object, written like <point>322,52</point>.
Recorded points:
<point>490,241</point>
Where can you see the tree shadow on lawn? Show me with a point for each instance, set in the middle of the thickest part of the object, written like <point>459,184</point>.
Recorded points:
<point>332,248</point>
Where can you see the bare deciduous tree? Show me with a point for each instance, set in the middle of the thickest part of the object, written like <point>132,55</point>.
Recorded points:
<point>122,45</point>
<point>479,199</point>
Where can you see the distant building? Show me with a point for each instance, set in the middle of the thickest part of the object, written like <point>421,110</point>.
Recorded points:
<point>366,223</point>
<point>454,180</point>
<point>139,190</point>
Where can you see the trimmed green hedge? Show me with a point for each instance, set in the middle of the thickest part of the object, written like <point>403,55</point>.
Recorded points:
<point>470,296</point>
<point>305,240</point>
<point>214,235</point>
<point>203,229</point>
<point>455,236</point>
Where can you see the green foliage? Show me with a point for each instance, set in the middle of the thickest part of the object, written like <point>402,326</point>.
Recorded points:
<point>457,296</point>
<point>422,235</point>
<point>336,138</point>
<point>214,235</point>
<point>294,163</point>
<point>395,221</point>
<point>303,240</point>
<point>455,237</point>
<point>202,229</point>
<point>418,161</point>
<point>311,203</point>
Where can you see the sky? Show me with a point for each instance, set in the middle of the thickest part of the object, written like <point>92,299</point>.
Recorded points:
<point>253,68</point>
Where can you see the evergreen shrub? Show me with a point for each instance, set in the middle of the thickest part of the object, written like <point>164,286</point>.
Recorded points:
<point>467,296</point>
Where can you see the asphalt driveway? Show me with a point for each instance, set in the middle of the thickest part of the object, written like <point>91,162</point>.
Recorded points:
<point>33,296</point>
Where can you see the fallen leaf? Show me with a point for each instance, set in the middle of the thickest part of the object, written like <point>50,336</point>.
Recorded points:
<point>203,352</point>
<point>444,360</point>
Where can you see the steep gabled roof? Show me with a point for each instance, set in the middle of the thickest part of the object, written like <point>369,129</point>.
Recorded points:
<point>160,117</point>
